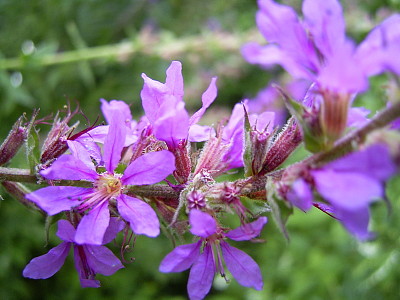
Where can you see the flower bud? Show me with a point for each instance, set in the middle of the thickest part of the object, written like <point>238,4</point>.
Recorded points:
<point>55,143</point>
<point>283,145</point>
<point>13,142</point>
<point>15,139</point>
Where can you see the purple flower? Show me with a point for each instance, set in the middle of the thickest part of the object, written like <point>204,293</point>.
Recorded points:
<point>317,48</point>
<point>98,134</point>
<point>89,259</point>
<point>164,107</point>
<point>349,184</point>
<point>149,168</point>
<point>204,265</point>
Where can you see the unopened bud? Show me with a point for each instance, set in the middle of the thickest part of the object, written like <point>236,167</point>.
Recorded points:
<point>284,144</point>
<point>55,143</point>
<point>196,200</point>
<point>15,139</point>
<point>13,142</point>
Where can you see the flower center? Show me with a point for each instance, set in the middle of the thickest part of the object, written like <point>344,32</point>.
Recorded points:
<point>109,184</point>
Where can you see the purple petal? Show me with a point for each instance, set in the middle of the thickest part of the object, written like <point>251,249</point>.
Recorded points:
<point>198,133</point>
<point>377,52</point>
<point>346,189</point>
<point>89,283</point>
<point>114,142</point>
<point>80,152</point>
<point>149,168</point>
<point>174,79</point>
<point>207,98</point>
<point>70,168</point>
<point>355,221</point>
<point>181,258</point>
<point>115,226</point>
<point>374,161</point>
<point>172,125</point>
<point>66,231</point>
<point>85,272</point>
<point>242,267</point>
<point>108,108</point>
<point>140,215</point>
<point>201,275</point>
<point>325,21</point>
<point>47,265</point>
<point>153,95</point>
<point>93,226</point>
<point>270,55</point>
<point>202,224</point>
<point>342,73</point>
<point>263,122</point>
<point>357,117</point>
<point>279,24</point>
<point>54,199</point>
<point>101,260</point>
<point>300,195</point>
<point>247,231</point>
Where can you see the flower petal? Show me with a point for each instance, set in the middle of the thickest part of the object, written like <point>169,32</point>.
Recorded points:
<point>85,272</point>
<point>201,275</point>
<point>300,195</point>
<point>115,226</point>
<point>47,265</point>
<point>202,224</point>
<point>207,98</point>
<point>374,161</point>
<point>140,215</point>
<point>102,260</point>
<point>199,133</point>
<point>242,267</point>
<point>325,21</point>
<point>247,231</point>
<point>355,221</point>
<point>54,199</point>
<point>149,168</point>
<point>93,226</point>
<point>347,190</point>
<point>181,258</point>
<point>70,168</point>
<point>122,109</point>
<point>114,141</point>
<point>66,231</point>
<point>173,124</point>
<point>174,79</point>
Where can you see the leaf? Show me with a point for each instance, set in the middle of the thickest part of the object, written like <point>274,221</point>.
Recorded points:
<point>280,211</point>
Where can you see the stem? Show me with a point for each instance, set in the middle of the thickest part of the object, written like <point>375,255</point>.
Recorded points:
<point>161,45</point>
<point>250,185</point>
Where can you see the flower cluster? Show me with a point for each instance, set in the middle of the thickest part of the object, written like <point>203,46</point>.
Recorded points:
<point>132,177</point>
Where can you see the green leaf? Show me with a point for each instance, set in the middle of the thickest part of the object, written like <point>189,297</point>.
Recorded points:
<point>280,210</point>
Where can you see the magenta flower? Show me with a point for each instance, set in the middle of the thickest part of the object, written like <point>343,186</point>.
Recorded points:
<point>89,259</point>
<point>204,265</point>
<point>149,168</point>
<point>164,107</point>
<point>349,184</point>
<point>316,48</point>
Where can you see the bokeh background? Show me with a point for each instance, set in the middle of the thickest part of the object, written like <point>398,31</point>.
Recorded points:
<point>54,51</point>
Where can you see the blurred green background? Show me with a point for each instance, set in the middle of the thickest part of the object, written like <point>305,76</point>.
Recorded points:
<point>54,51</point>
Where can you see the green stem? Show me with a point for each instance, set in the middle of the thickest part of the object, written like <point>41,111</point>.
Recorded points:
<point>161,45</point>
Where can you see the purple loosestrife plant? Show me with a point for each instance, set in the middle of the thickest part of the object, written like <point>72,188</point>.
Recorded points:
<point>89,259</point>
<point>108,185</point>
<point>215,251</point>
<point>110,179</point>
